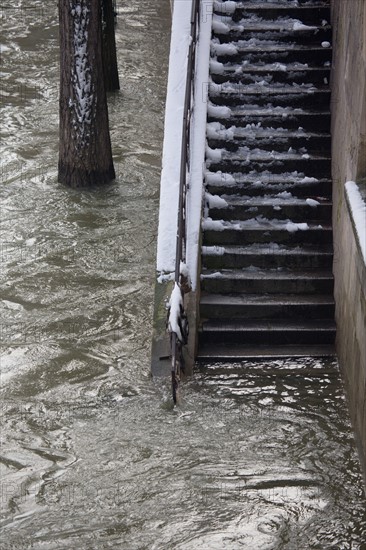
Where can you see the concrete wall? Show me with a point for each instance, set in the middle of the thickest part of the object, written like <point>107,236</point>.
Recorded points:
<point>349,163</point>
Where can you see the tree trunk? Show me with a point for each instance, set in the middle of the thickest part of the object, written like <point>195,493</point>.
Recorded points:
<point>110,67</point>
<point>85,148</point>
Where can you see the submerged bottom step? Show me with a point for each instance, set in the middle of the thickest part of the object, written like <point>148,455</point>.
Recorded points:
<point>209,352</point>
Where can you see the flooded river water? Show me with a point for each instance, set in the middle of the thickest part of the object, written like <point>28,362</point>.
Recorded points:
<point>93,455</point>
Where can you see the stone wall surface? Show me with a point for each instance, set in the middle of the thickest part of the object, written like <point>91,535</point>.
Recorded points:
<point>349,163</point>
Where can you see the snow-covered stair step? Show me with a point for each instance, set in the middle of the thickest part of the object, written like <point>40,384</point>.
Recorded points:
<point>298,210</point>
<point>265,183</point>
<point>266,307</point>
<point>247,161</point>
<point>268,256</point>
<point>267,281</point>
<point>272,332</point>
<point>267,51</point>
<point>272,72</point>
<point>261,230</point>
<point>282,95</point>
<point>266,138</point>
<point>285,30</point>
<point>307,13</point>
<point>268,115</point>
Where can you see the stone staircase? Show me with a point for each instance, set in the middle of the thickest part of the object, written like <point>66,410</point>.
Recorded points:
<point>266,278</point>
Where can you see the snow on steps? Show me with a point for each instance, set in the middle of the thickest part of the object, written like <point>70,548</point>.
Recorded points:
<point>293,208</point>
<point>266,280</point>
<point>267,256</point>
<point>256,184</point>
<point>279,116</point>
<point>256,50</point>
<point>256,135</point>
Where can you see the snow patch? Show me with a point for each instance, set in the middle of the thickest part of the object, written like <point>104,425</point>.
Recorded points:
<point>209,224</point>
<point>213,250</point>
<point>228,7</point>
<point>313,203</point>
<point>215,130</point>
<point>214,155</point>
<point>165,277</point>
<point>218,111</point>
<point>220,27</point>
<point>175,312</point>
<point>223,49</point>
<point>84,100</point>
<point>358,209</point>
<point>299,26</point>
<point>169,184</point>
<point>214,201</point>
<point>292,227</point>
<point>219,178</point>
<point>216,67</point>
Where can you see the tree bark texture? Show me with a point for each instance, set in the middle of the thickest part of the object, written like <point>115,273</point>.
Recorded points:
<point>110,66</point>
<point>85,148</point>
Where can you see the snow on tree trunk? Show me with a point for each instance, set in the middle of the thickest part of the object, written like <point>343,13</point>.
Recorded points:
<point>85,157</point>
<point>110,67</point>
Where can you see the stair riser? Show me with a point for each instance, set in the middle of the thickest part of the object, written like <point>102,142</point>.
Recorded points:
<point>316,122</point>
<point>241,97</point>
<point>270,338</point>
<point>263,286</point>
<point>281,144</point>
<point>315,77</point>
<point>308,15</point>
<point>249,236</point>
<point>267,311</point>
<point>311,190</point>
<point>287,337</point>
<point>304,213</point>
<point>303,37</point>
<point>319,168</point>
<point>313,57</point>
<point>266,261</point>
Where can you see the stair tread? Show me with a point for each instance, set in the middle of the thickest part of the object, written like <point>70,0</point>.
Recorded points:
<point>264,177</point>
<point>269,110</point>
<point>225,325</point>
<point>235,200</point>
<point>266,156</point>
<point>257,224</point>
<point>236,352</point>
<point>270,46</point>
<point>271,274</point>
<point>232,88</point>
<point>268,299</point>
<point>217,130</point>
<point>267,249</point>
<point>224,26</point>
<point>273,5</point>
<point>231,69</point>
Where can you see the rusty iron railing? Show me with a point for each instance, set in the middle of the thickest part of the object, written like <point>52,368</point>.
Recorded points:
<point>177,342</point>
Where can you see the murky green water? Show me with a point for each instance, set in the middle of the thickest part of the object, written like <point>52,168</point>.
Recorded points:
<point>92,454</point>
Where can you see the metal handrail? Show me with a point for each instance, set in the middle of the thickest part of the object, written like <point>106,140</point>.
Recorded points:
<point>176,344</point>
